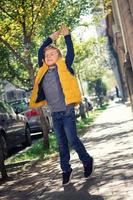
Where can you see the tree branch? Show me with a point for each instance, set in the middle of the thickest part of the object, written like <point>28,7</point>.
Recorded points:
<point>36,17</point>
<point>12,50</point>
<point>11,16</point>
<point>24,22</point>
<point>2,9</point>
<point>32,8</point>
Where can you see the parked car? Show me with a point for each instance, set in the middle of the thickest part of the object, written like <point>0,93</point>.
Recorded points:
<point>33,115</point>
<point>14,128</point>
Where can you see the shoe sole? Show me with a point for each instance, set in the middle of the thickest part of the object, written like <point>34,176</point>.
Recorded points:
<point>91,172</point>
<point>69,180</point>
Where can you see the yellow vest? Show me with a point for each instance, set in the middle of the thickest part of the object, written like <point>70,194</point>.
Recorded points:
<point>68,82</point>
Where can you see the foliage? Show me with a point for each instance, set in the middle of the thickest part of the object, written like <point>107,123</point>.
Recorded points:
<point>11,70</point>
<point>91,59</point>
<point>100,10</point>
<point>23,23</point>
<point>90,63</point>
<point>98,87</point>
<point>67,12</point>
<point>107,6</point>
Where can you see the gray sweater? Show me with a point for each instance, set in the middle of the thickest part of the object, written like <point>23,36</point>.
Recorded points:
<point>53,90</point>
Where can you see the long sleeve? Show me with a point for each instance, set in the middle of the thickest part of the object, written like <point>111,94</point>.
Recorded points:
<point>70,53</point>
<point>47,42</point>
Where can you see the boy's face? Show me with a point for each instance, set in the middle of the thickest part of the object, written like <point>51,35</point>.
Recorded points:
<point>51,56</point>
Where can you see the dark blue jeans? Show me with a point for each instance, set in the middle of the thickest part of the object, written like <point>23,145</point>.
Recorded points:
<point>65,128</point>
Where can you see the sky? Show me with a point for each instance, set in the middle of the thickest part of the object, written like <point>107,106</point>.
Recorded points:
<point>85,32</point>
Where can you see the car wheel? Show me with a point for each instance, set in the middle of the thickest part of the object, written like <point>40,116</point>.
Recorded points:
<point>3,148</point>
<point>28,140</point>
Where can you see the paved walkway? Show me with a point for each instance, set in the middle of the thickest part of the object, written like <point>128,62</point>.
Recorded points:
<point>110,141</point>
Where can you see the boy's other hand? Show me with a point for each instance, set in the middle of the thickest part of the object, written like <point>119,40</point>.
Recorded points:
<point>55,35</point>
<point>64,30</point>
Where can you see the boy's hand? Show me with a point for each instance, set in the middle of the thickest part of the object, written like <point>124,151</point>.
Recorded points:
<point>55,35</point>
<point>64,30</point>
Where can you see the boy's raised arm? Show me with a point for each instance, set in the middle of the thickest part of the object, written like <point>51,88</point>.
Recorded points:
<point>70,51</point>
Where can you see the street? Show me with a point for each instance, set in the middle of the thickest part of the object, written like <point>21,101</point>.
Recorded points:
<point>109,141</point>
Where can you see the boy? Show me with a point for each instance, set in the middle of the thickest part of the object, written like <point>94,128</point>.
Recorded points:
<point>56,85</point>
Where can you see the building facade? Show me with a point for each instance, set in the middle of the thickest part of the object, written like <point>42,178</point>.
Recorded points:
<point>120,34</point>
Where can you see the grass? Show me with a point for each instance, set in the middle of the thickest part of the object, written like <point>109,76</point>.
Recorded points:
<point>37,151</point>
<point>92,115</point>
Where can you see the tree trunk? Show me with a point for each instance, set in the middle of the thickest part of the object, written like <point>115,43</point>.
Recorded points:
<point>31,73</point>
<point>82,111</point>
<point>2,165</point>
<point>29,64</point>
<point>80,82</point>
<point>3,170</point>
<point>45,129</point>
<point>81,106</point>
<point>129,80</point>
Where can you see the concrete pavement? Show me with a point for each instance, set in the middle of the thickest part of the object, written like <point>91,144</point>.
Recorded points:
<point>109,141</point>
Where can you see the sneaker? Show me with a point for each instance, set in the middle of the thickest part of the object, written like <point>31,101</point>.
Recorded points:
<point>88,169</point>
<point>66,177</point>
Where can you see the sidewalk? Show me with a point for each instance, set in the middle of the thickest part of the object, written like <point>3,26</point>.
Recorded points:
<point>109,141</point>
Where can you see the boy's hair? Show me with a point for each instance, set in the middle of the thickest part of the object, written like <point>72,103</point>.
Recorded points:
<point>53,47</point>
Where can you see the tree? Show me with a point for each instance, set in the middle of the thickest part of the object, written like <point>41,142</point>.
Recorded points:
<point>23,22</point>
<point>90,61</point>
<point>12,71</point>
<point>100,91</point>
<point>20,22</point>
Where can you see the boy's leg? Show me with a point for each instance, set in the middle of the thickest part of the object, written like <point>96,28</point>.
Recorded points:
<point>62,141</point>
<point>71,132</point>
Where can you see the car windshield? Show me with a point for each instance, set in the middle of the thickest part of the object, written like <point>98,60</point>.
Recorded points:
<point>19,106</point>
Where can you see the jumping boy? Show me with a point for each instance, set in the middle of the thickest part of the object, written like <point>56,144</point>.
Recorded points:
<point>56,85</point>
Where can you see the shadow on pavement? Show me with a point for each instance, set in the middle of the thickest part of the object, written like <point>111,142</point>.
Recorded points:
<point>112,178</point>
<point>44,182</point>
<point>113,137</point>
<point>71,192</point>
<point>106,125</point>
